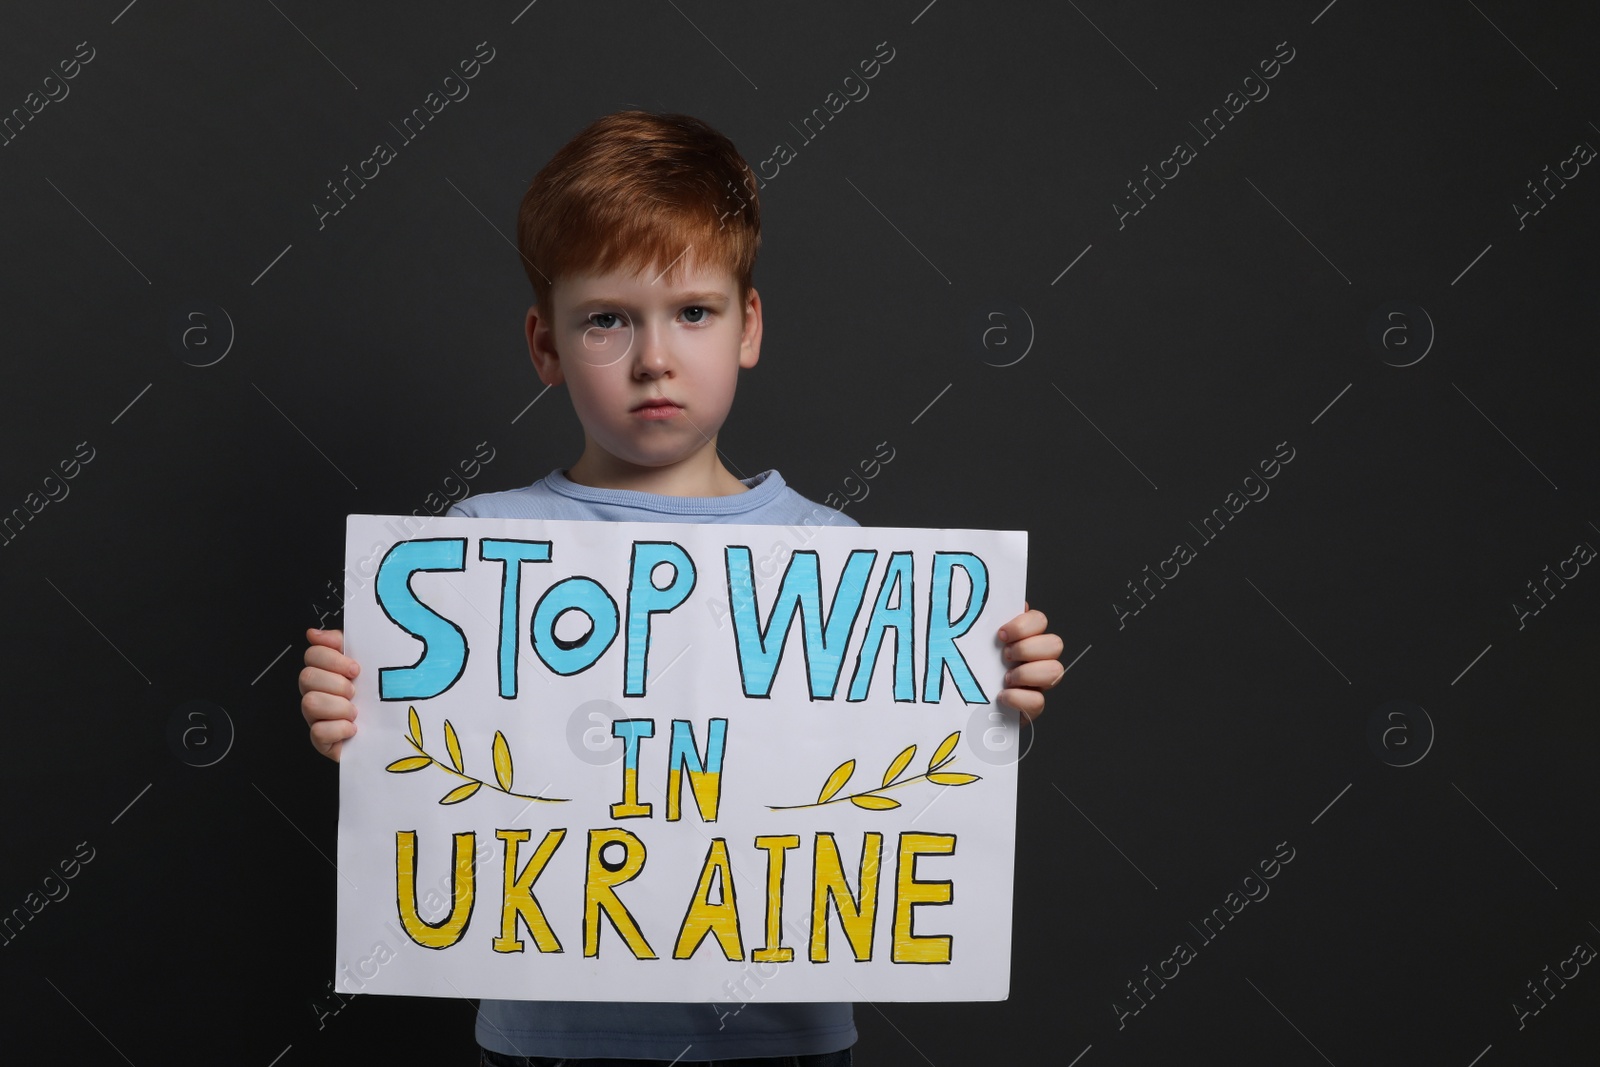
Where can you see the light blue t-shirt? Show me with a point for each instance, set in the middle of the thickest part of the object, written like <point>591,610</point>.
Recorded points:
<point>741,1025</point>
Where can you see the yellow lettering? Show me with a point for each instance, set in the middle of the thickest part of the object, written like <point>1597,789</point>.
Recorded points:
<point>705,773</point>
<point>600,895</point>
<point>774,951</point>
<point>856,914</point>
<point>705,917</point>
<point>463,880</point>
<point>519,901</point>
<point>908,893</point>
<point>629,807</point>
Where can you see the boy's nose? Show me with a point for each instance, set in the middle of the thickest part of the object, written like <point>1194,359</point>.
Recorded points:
<point>651,356</point>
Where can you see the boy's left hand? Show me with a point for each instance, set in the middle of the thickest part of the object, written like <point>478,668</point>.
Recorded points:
<point>1035,653</point>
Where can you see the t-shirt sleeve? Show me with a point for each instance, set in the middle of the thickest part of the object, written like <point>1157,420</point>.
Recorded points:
<point>826,516</point>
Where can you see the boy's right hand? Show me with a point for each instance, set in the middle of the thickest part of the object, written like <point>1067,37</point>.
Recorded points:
<point>326,685</point>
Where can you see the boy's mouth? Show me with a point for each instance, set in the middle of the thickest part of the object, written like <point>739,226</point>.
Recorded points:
<point>655,402</point>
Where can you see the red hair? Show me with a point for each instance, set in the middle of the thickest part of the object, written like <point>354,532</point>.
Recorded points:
<point>636,190</point>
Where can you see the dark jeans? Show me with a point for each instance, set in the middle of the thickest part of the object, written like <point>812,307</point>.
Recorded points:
<point>826,1059</point>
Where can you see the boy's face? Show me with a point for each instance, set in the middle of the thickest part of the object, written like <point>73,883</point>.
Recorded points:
<point>651,367</point>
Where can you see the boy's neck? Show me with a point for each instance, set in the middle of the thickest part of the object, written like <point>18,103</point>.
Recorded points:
<point>700,477</point>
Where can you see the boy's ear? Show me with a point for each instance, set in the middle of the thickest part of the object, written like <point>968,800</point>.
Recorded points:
<point>750,340</point>
<point>541,347</point>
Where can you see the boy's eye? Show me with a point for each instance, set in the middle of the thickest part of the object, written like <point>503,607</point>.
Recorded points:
<point>696,313</point>
<point>605,320</point>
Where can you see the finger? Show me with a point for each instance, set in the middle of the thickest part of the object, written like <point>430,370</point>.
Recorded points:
<point>329,737</point>
<point>322,707</point>
<point>1027,702</point>
<point>334,639</point>
<point>315,679</point>
<point>330,659</point>
<point>1044,646</point>
<point>1038,674</point>
<point>1028,624</point>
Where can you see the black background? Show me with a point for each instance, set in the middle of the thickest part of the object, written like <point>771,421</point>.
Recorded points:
<point>364,359</point>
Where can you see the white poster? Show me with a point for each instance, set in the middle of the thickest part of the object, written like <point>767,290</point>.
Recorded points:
<point>641,761</point>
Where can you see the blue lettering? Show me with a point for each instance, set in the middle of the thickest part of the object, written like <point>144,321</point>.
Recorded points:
<point>444,646</point>
<point>823,641</point>
<point>645,599</point>
<point>942,630</point>
<point>587,596</point>
<point>897,580</point>
<point>512,554</point>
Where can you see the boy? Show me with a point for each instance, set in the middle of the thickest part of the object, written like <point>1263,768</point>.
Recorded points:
<point>639,238</point>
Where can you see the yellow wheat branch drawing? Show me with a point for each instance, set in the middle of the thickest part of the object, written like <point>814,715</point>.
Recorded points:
<point>502,764</point>
<point>873,799</point>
